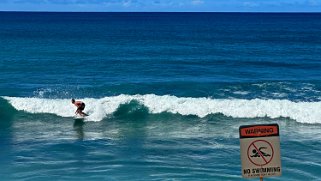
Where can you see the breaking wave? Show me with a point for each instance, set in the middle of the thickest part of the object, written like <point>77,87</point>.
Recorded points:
<point>98,109</point>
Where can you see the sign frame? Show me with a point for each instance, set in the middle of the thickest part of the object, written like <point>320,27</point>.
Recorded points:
<point>260,150</point>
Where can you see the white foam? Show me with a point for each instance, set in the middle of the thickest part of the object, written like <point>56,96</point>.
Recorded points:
<point>304,112</point>
<point>241,92</point>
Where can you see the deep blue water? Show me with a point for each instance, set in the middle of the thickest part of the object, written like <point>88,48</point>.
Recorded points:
<point>166,93</point>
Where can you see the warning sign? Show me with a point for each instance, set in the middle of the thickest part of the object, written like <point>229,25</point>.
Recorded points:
<point>260,150</point>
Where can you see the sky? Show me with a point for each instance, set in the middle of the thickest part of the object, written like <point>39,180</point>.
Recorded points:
<point>162,5</point>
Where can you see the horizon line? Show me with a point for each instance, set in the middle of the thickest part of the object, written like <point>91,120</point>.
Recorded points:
<point>276,12</point>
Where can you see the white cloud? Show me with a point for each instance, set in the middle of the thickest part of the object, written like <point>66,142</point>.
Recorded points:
<point>313,3</point>
<point>197,2</point>
<point>126,3</point>
<point>251,4</point>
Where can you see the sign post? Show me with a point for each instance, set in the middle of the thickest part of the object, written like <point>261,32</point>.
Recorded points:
<point>260,151</point>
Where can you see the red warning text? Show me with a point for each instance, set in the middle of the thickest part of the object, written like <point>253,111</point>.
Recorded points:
<point>259,131</point>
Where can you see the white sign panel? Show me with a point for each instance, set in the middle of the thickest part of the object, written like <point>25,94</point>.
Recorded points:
<point>260,150</point>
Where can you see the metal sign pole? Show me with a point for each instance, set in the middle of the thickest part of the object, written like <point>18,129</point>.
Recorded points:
<point>261,177</point>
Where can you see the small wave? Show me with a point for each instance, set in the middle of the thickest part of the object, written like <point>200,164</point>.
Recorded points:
<point>98,109</point>
<point>241,92</point>
<point>6,111</point>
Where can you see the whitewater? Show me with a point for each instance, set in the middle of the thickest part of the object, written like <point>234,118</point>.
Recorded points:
<point>98,109</point>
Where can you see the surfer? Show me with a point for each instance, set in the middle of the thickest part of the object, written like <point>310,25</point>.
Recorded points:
<point>80,107</point>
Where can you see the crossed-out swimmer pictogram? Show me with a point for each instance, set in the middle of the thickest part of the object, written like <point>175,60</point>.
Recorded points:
<point>260,152</point>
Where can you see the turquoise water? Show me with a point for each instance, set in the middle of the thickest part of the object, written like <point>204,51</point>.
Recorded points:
<point>166,94</point>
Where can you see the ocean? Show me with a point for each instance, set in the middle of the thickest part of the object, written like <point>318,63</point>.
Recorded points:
<point>166,94</point>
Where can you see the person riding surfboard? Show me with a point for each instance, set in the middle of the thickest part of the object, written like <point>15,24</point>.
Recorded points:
<point>80,107</point>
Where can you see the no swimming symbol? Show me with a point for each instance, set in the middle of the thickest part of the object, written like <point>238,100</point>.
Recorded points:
<point>260,152</point>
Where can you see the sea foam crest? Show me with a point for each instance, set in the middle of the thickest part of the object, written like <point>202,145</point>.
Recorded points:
<point>304,112</point>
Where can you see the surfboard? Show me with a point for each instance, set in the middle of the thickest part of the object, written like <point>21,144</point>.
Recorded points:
<point>79,117</point>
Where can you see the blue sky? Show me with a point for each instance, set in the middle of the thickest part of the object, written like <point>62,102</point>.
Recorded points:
<point>163,5</point>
